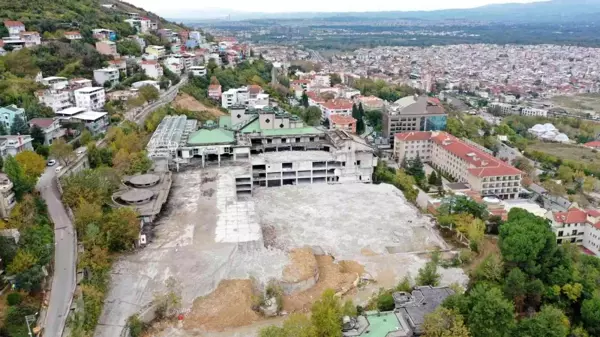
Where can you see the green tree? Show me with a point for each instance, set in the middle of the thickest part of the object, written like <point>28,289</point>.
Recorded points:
<point>515,287</point>
<point>444,323</point>
<point>19,126</point>
<point>122,228</point>
<point>432,180</point>
<point>38,136</point>
<point>21,183</point>
<point>334,79</point>
<point>491,315</point>
<point>416,168</point>
<point>463,204</point>
<point>129,47</point>
<point>21,262</point>
<point>490,269</point>
<point>149,93</point>
<point>326,315</point>
<point>304,99</point>
<point>86,137</point>
<point>429,275</point>
<point>590,315</point>
<point>549,322</point>
<point>62,151</point>
<point>312,116</point>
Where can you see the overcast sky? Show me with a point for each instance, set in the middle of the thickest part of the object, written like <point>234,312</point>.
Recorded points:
<point>179,7</point>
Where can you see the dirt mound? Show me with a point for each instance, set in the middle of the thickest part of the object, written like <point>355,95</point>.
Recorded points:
<point>302,265</point>
<point>340,277</point>
<point>229,306</point>
<point>187,102</point>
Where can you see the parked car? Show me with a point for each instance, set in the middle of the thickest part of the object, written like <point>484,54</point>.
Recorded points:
<point>51,162</point>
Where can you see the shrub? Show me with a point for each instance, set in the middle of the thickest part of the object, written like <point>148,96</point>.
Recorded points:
<point>385,302</point>
<point>14,299</point>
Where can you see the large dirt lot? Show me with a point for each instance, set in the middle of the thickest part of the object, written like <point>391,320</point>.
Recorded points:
<point>187,102</point>
<point>352,229</point>
<point>567,152</point>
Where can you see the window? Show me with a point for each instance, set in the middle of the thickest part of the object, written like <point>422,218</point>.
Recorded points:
<point>267,120</point>
<point>560,233</point>
<point>281,125</point>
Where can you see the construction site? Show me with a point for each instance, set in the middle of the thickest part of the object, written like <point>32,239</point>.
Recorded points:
<point>220,248</point>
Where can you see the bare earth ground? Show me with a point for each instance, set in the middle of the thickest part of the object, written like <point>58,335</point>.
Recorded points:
<point>581,103</point>
<point>371,227</point>
<point>187,102</point>
<point>567,152</point>
<point>302,265</point>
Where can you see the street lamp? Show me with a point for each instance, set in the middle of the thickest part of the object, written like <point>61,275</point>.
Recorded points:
<point>30,319</point>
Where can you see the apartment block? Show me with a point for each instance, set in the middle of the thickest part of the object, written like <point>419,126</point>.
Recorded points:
<point>106,47</point>
<point>152,69</point>
<point>463,162</point>
<point>55,99</point>
<point>92,98</point>
<point>413,113</point>
<point>577,226</point>
<point>8,115</point>
<point>104,75</point>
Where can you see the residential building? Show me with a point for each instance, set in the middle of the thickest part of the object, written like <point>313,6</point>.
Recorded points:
<point>96,122</point>
<point>14,27</point>
<point>13,145</point>
<point>55,82</point>
<point>578,226</point>
<point>174,65</point>
<point>51,128</point>
<point>527,111</point>
<point>197,36</point>
<point>104,75</point>
<point>92,98</point>
<point>8,115</point>
<point>107,47</point>
<point>259,101</point>
<point>463,162</point>
<point>198,70</point>
<point>342,122</point>
<point>55,99</point>
<point>104,34</point>
<point>336,107</point>
<point>233,97</point>
<point>158,51</point>
<point>370,103</point>
<point>142,24</point>
<point>413,113</point>
<point>31,39</point>
<point>73,35</point>
<point>503,108</point>
<point>69,113</point>
<point>595,145</point>
<point>214,91</point>
<point>7,196</point>
<point>120,64</point>
<point>152,69</point>
<point>140,41</point>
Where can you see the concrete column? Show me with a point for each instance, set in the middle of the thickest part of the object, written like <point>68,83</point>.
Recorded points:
<point>234,157</point>
<point>219,158</point>
<point>203,160</point>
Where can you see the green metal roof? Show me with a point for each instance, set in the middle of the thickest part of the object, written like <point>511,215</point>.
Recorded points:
<point>214,136</point>
<point>309,130</point>
<point>225,122</point>
<point>252,127</point>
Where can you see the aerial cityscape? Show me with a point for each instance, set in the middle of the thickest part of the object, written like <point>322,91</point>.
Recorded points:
<point>293,170</point>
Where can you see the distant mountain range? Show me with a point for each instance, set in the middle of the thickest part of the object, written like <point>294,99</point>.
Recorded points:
<point>554,11</point>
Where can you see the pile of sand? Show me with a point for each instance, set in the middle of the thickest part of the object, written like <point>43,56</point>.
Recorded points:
<point>229,306</point>
<point>302,266</point>
<point>339,277</point>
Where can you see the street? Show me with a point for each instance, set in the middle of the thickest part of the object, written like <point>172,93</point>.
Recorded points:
<point>63,281</point>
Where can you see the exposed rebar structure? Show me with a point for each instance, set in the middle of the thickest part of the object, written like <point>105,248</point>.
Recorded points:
<point>170,134</point>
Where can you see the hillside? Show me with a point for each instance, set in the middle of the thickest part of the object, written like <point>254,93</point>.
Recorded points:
<point>46,17</point>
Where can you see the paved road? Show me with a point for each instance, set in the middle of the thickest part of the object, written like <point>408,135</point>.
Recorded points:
<point>140,116</point>
<point>63,282</point>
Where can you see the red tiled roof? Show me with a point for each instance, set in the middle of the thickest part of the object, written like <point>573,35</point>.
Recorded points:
<point>574,215</point>
<point>339,104</point>
<point>595,144</point>
<point>410,136</point>
<point>254,89</point>
<point>300,82</point>
<point>150,62</point>
<point>314,96</point>
<point>341,119</point>
<point>42,122</point>
<point>593,212</point>
<point>73,33</point>
<point>9,23</point>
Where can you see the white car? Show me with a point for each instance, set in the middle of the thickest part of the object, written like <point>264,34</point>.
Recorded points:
<point>51,162</point>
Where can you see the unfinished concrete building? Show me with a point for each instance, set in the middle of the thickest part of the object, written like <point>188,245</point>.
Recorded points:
<point>276,148</point>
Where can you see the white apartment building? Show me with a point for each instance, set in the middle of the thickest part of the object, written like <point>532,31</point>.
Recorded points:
<point>336,107</point>
<point>96,122</point>
<point>259,102</point>
<point>527,111</point>
<point>174,64</point>
<point>578,226</point>
<point>504,108</point>
<point>152,69</point>
<point>55,82</point>
<point>321,81</point>
<point>7,196</point>
<point>74,35</point>
<point>232,97</point>
<point>462,161</point>
<point>198,70</point>
<point>13,145</point>
<point>104,75</point>
<point>55,99</point>
<point>92,98</point>
<point>139,84</point>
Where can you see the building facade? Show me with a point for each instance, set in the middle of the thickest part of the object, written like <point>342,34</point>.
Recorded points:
<point>465,163</point>
<point>106,47</point>
<point>577,226</point>
<point>92,98</point>
<point>8,115</point>
<point>51,128</point>
<point>152,69</point>
<point>413,113</point>
<point>104,75</point>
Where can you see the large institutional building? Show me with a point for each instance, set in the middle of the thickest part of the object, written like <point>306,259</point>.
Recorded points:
<point>413,113</point>
<point>462,161</point>
<point>276,147</point>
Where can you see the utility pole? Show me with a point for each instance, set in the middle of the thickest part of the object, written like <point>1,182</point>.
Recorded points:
<point>30,319</point>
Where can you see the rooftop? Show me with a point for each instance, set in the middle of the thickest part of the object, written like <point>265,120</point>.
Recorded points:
<point>90,115</point>
<point>291,156</point>
<point>70,111</point>
<point>88,90</point>
<point>342,119</point>
<point>42,122</point>
<point>136,195</point>
<point>211,136</point>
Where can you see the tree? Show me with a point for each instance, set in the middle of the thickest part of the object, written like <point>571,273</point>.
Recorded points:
<point>62,151</point>
<point>326,315</point>
<point>444,323</point>
<point>416,169</point>
<point>19,126</point>
<point>334,79</point>
<point>149,93</point>
<point>523,164</point>
<point>565,173</point>
<point>465,205</point>
<point>129,47</point>
<point>312,115</point>
<point>297,325</point>
<point>490,269</point>
<point>432,180</point>
<point>549,322</point>
<point>491,315</point>
<point>122,228</point>
<point>22,262</point>
<point>86,137</point>
<point>428,275</point>
<point>304,99</point>
<point>33,164</point>
<point>38,136</point>
<point>22,184</point>
<point>87,213</point>
<point>590,315</point>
